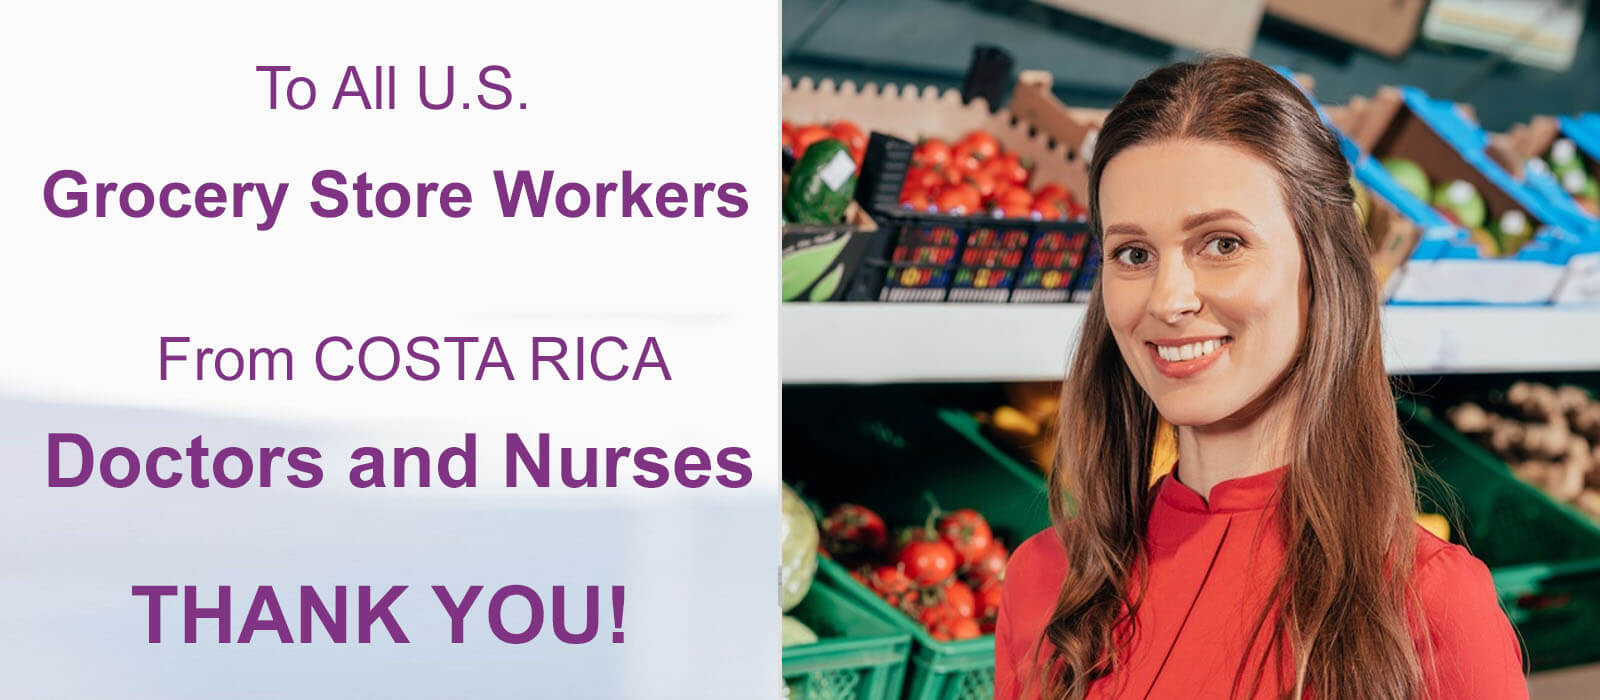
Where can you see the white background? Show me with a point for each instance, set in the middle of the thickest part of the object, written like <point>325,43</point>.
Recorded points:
<point>128,91</point>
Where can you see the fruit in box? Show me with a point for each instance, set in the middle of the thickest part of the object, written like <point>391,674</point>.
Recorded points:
<point>1511,230</point>
<point>1458,197</point>
<point>1410,176</point>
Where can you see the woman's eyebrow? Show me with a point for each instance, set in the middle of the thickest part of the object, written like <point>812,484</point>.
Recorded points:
<point>1206,217</point>
<point>1122,228</point>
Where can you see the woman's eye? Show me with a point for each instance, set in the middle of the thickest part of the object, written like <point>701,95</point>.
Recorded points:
<point>1223,247</point>
<point>1133,256</point>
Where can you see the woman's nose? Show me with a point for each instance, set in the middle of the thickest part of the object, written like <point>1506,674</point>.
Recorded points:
<point>1174,295</point>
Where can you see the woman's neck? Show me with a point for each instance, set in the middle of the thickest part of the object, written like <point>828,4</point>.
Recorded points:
<point>1211,454</point>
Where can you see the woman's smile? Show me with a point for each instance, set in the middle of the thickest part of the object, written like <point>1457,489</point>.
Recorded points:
<point>1181,358</point>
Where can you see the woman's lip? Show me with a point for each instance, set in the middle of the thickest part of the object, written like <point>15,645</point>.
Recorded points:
<point>1183,369</point>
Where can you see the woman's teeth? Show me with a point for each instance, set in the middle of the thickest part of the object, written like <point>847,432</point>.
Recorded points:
<point>1179,353</point>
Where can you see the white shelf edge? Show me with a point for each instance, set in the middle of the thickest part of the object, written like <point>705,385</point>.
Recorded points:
<point>856,343</point>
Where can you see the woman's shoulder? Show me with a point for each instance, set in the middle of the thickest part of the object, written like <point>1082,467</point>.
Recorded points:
<point>1039,562</point>
<point>1442,567</point>
<point>1476,650</point>
<point>1449,582</point>
<point>1032,582</point>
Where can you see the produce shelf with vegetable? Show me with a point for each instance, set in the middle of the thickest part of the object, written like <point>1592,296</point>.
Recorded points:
<point>1510,245</point>
<point>920,521</point>
<point>1543,552</point>
<point>978,202</point>
<point>833,647</point>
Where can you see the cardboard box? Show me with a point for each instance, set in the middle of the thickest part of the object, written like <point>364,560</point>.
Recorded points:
<point>1393,236</point>
<point>1213,25</point>
<point>1388,27</point>
<point>1036,126</point>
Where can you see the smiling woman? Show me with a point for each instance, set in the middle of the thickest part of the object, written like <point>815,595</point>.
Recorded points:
<point>1279,558</point>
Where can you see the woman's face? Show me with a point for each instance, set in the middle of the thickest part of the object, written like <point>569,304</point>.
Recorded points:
<point>1202,282</point>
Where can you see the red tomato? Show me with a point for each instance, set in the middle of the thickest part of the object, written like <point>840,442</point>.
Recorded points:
<point>1046,209</point>
<point>926,178</point>
<point>1013,168</point>
<point>931,153</point>
<point>982,143</point>
<point>892,584</point>
<point>945,628</point>
<point>988,566</point>
<point>1051,191</point>
<point>852,135</point>
<point>1002,210</point>
<point>988,600</point>
<point>960,597</point>
<point>915,200</point>
<point>852,529</point>
<point>963,628</point>
<point>967,533</point>
<point>788,137</point>
<point>927,562</point>
<point>1018,197</point>
<point>959,199</point>
<point>807,135</point>
<point>984,182</point>
<point>963,159</point>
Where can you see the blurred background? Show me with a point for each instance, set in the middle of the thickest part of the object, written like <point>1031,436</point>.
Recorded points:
<point>1509,58</point>
<point>932,296</point>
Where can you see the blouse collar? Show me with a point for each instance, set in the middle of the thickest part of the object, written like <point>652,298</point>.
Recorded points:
<point>1254,492</point>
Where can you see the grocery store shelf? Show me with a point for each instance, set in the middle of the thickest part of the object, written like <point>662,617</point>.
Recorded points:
<point>851,343</point>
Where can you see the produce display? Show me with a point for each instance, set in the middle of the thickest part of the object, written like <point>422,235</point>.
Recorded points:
<point>946,574</point>
<point>1461,203</point>
<point>975,176</point>
<point>1549,436</point>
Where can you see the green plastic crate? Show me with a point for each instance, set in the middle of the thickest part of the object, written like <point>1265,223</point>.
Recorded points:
<point>860,656</point>
<point>885,455</point>
<point>1544,555</point>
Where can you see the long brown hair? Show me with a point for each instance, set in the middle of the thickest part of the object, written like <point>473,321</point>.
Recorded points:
<point>1340,611</point>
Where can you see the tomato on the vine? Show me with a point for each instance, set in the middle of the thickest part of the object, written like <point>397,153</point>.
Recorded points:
<point>959,199</point>
<point>926,561</point>
<point>931,153</point>
<point>988,599</point>
<point>982,143</point>
<point>960,598</point>
<point>893,585</point>
<point>990,565</point>
<point>967,533</point>
<point>852,529</point>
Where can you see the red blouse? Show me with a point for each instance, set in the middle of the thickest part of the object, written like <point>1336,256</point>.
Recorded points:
<point>1211,566</point>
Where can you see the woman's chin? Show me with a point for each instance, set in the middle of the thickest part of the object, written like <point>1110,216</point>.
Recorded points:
<point>1190,407</point>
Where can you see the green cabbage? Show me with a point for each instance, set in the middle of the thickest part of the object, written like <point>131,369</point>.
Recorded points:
<point>799,563</point>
